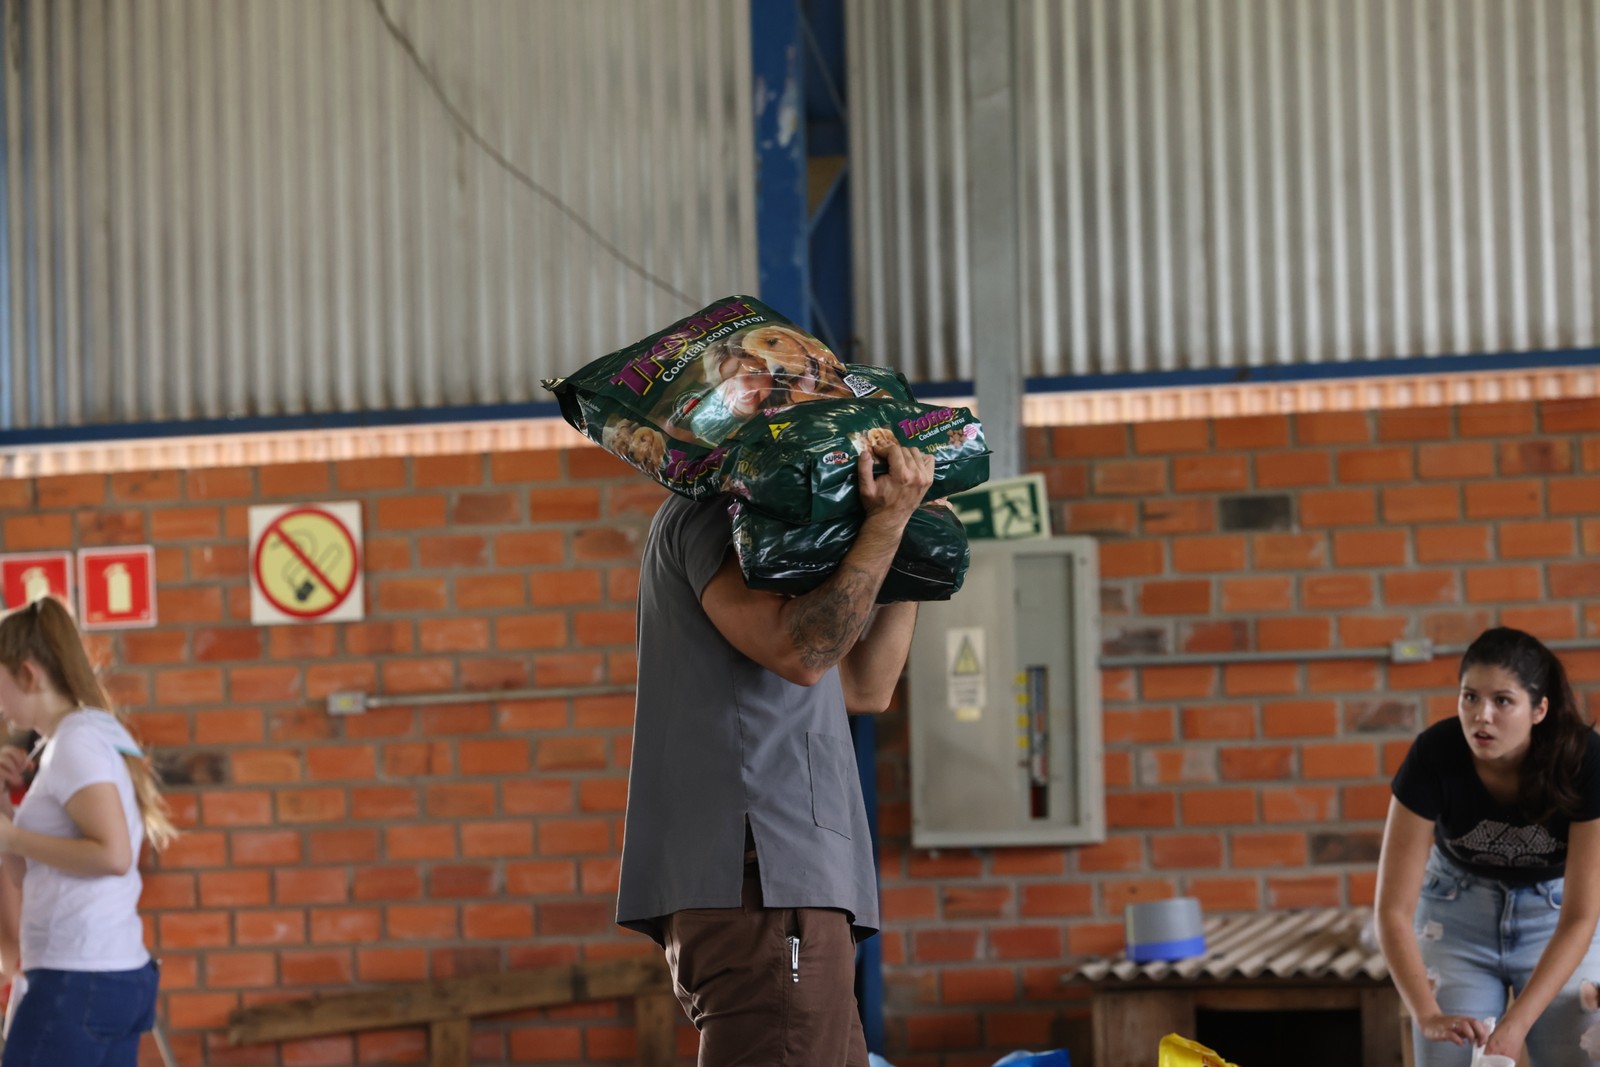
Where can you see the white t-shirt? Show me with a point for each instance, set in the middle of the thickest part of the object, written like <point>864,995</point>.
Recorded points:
<point>72,923</point>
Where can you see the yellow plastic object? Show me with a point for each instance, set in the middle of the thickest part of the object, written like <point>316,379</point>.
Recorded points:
<point>1181,1052</point>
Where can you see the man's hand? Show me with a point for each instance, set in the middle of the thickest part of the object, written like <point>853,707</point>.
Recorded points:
<point>898,492</point>
<point>801,638</point>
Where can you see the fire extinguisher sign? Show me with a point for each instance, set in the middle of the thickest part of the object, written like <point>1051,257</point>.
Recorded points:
<point>117,587</point>
<point>27,576</point>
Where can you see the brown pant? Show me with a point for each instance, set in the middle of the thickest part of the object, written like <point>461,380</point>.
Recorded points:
<point>735,973</point>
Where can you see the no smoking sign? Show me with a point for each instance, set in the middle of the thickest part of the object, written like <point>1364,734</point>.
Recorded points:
<point>305,563</point>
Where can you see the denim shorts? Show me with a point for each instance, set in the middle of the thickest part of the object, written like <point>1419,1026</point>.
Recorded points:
<point>82,1018</point>
<point>1480,937</point>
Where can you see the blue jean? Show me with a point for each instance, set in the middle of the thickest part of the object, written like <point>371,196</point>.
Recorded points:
<point>82,1018</point>
<point>1480,937</point>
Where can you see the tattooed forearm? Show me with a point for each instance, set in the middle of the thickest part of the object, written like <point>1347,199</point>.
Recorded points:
<point>825,623</point>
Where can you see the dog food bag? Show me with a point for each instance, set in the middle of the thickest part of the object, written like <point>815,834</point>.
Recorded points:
<point>721,400</point>
<point>800,466</point>
<point>930,563</point>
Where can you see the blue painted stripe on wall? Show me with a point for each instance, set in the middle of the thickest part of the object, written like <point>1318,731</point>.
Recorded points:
<point>1300,372</point>
<point>1579,357</point>
<point>277,424</point>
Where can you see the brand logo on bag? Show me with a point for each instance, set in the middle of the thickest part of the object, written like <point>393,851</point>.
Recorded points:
<point>663,362</point>
<point>680,468</point>
<point>923,423</point>
<point>836,458</point>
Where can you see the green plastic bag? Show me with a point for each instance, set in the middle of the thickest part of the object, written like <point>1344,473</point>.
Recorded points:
<point>930,563</point>
<point>737,399</point>
<point>800,465</point>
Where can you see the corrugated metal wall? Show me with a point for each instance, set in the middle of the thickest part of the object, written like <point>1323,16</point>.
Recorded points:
<point>1226,183</point>
<point>264,207</point>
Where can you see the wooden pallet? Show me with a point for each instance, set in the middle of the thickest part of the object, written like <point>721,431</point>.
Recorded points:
<point>1130,1018</point>
<point>448,1006</point>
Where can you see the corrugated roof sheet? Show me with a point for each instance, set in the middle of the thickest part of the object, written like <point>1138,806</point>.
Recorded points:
<point>1327,943</point>
<point>1231,184</point>
<point>225,208</point>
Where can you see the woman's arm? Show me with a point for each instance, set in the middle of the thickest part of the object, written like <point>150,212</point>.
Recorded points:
<point>1407,837</point>
<point>12,870</point>
<point>1580,907</point>
<point>103,850</point>
<point>11,918</point>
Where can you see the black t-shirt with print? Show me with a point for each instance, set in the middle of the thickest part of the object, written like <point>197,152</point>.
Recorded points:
<point>1488,838</point>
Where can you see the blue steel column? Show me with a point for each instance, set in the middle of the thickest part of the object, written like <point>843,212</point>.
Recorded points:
<point>797,59</point>
<point>776,52</point>
<point>869,954</point>
<point>828,137</point>
<point>828,142</point>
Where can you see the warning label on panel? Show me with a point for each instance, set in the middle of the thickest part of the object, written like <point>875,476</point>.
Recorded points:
<point>966,680</point>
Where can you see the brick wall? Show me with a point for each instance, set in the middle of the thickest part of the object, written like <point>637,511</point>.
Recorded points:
<point>427,842</point>
<point>1250,786</point>
<point>406,843</point>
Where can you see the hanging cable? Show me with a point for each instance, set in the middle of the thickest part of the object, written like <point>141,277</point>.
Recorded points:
<point>466,127</point>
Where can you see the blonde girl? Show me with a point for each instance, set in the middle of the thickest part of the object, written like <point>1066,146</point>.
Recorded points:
<point>72,849</point>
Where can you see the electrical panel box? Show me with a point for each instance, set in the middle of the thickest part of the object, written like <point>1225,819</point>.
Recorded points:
<point>1005,701</point>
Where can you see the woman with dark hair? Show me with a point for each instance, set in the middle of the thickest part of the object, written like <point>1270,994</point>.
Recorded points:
<point>72,847</point>
<point>1491,809</point>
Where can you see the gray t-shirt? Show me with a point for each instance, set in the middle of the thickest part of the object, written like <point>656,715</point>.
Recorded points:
<point>718,739</point>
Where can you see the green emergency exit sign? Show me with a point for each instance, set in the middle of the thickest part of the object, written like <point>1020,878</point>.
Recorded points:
<point>1005,510</point>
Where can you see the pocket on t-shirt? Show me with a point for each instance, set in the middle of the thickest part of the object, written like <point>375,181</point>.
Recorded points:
<point>833,763</point>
